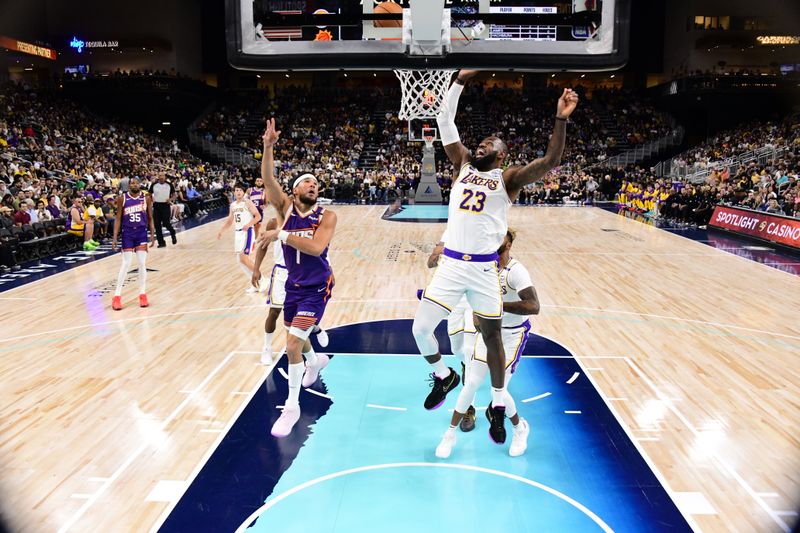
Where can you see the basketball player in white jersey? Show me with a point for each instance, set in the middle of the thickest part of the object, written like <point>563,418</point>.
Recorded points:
<point>276,294</point>
<point>519,302</point>
<point>481,195</point>
<point>243,215</point>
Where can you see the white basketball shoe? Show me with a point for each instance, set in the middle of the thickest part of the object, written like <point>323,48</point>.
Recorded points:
<point>519,438</point>
<point>445,448</point>
<point>312,371</point>
<point>284,424</point>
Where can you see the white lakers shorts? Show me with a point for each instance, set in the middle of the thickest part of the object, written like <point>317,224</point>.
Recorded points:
<point>514,340</point>
<point>277,287</point>
<point>479,281</point>
<point>243,241</point>
<point>460,319</point>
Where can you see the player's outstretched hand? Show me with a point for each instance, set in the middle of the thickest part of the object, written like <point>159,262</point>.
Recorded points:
<point>271,135</point>
<point>465,75</point>
<point>567,103</point>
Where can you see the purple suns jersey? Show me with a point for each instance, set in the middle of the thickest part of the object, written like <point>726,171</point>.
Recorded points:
<point>134,212</point>
<point>305,270</point>
<point>257,197</point>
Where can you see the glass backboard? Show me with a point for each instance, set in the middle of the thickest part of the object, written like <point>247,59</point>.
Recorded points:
<point>526,35</point>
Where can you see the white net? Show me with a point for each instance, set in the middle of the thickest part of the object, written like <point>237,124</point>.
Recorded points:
<point>429,135</point>
<point>424,92</point>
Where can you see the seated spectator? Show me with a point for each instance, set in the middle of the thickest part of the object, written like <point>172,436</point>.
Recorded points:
<point>52,207</point>
<point>22,217</point>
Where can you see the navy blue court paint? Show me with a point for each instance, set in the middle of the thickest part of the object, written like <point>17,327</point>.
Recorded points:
<point>364,460</point>
<point>40,269</point>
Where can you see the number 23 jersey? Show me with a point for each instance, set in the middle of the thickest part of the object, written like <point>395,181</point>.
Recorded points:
<point>478,212</point>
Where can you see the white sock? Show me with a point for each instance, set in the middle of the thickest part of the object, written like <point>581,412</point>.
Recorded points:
<point>311,357</point>
<point>267,342</point>
<point>296,371</point>
<point>127,257</point>
<point>511,406</point>
<point>498,397</point>
<point>440,369</point>
<point>141,255</point>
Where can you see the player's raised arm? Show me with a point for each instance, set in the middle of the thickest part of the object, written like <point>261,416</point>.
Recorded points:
<point>517,177</point>
<point>453,147</point>
<point>277,197</point>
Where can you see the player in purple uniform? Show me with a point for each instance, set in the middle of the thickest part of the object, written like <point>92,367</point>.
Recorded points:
<point>306,232</point>
<point>258,196</point>
<point>134,218</point>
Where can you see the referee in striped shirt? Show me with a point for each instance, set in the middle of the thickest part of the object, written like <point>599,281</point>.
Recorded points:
<point>162,191</point>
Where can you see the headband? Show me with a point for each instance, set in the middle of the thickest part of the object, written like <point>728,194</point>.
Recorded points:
<point>304,177</point>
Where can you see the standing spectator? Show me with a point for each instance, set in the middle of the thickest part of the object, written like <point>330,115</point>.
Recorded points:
<point>162,191</point>
<point>591,190</point>
<point>123,184</point>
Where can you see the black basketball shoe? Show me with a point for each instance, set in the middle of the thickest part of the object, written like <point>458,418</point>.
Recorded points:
<point>468,422</point>
<point>440,389</point>
<point>497,418</point>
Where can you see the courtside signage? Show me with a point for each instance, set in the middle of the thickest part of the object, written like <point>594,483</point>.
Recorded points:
<point>28,48</point>
<point>778,229</point>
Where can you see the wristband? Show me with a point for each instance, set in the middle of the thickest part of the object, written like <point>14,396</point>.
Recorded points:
<point>561,119</point>
<point>283,235</point>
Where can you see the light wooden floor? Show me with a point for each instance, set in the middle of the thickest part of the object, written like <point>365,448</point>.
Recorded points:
<point>98,406</point>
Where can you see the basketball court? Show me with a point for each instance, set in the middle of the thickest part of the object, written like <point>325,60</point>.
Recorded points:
<point>657,401</point>
<point>660,381</point>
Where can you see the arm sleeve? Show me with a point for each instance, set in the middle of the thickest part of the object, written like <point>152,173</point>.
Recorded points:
<point>446,120</point>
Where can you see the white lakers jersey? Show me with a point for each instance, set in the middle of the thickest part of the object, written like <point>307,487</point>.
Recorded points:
<point>477,217</point>
<point>277,252</point>
<point>514,278</point>
<point>241,215</point>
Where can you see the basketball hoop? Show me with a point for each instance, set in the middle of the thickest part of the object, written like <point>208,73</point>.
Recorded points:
<point>429,135</point>
<point>424,92</point>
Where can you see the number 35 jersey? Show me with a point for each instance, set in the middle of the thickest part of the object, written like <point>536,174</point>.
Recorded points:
<point>478,212</point>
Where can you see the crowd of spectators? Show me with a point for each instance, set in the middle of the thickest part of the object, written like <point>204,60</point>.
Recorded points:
<point>52,151</point>
<point>327,130</point>
<point>772,186</point>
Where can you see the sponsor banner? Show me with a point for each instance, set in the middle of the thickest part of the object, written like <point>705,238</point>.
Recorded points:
<point>28,48</point>
<point>774,228</point>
